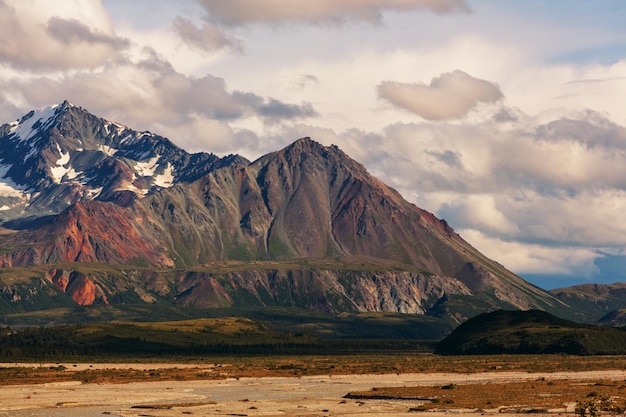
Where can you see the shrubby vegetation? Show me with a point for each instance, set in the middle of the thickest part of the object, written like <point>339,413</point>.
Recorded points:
<point>224,336</point>
<point>593,408</point>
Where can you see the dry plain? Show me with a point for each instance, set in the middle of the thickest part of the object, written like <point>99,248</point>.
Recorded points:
<point>177,389</point>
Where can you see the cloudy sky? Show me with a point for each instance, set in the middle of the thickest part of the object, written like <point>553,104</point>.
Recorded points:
<point>507,118</point>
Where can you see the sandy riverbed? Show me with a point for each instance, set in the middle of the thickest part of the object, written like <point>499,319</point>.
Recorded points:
<point>304,396</point>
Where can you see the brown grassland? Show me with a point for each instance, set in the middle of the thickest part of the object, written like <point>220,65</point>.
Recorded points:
<point>537,395</point>
<point>222,367</point>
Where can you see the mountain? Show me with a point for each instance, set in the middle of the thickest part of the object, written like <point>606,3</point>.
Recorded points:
<point>57,156</point>
<point>592,302</point>
<point>312,201</point>
<point>616,318</point>
<point>133,218</point>
<point>530,332</point>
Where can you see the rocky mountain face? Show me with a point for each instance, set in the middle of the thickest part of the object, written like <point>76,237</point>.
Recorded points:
<point>91,231</point>
<point>329,291</point>
<point>120,197</point>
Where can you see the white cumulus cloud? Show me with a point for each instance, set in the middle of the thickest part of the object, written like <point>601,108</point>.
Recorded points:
<point>449,96</point>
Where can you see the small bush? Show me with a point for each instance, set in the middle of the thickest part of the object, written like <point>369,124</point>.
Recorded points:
<point>587,409</point>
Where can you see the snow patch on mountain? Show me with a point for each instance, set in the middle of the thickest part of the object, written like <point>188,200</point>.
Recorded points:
<point>7,187</point>
<point>147,168</point>
<point>125,138</point>
<point>72,174</point>
<point>94,193</point>
<point>85,180</point>
<point>139,191</point>
<point>130,139</point>
<point>33,151</point>
<point>33,122</point>
<point>166,179</point>
<point>111,127</point>
<point>60,170</point>
<point>107,150</point>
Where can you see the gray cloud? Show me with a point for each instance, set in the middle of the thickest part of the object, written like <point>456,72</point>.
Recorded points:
<point>590,129</point>
<point>448,157</point>
<point>206,95</point>
<point>449,96</point>
<point>273,110</point>
<point>208,38</point>
<point>242,12</point>
<point>72,31</point>
<point>149,94</point>
<point>276,110</point>
<point>566,157</point>
<point>153,62</point>
<point>505,115</point>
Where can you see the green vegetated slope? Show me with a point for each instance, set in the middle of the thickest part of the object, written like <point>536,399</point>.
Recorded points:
<point>281,319</point>
<point>196,337</point>
<point>530,332</point>
<point>156,338</point>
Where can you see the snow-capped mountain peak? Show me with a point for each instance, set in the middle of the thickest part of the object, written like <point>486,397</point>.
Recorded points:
<point>55,156</point>
<point>36,121</point>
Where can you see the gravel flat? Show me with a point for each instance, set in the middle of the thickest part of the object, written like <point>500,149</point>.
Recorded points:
<point>268,396</point>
